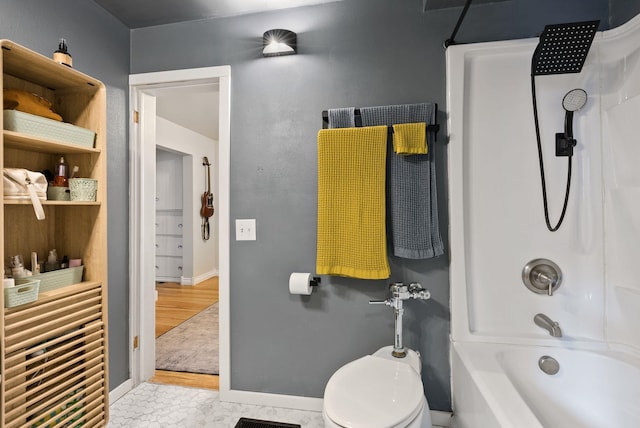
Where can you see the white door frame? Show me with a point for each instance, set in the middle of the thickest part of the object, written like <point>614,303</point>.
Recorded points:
<point>142,203</point>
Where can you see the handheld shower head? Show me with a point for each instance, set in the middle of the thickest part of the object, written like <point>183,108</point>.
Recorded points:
<point>573,100</point>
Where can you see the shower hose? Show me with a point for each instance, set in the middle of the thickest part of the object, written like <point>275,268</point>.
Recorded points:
<point>541,161</point>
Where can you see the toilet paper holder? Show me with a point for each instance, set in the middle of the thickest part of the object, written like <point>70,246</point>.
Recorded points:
<point>302,283</point>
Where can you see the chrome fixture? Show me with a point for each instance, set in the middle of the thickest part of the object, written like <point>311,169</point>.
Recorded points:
<point>399,293</point>
<point>549,365</point>
<point>548,324</point>
<point>542,276</point>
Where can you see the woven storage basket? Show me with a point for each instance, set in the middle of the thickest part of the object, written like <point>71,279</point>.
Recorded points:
<point>25,291</point>
<point>42,127</point>
<point>83,189</point>
<point>59,278</point>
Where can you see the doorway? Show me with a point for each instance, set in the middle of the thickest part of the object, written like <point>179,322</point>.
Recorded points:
<point>146,91</point>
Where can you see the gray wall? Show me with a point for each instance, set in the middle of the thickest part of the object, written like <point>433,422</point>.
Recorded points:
<point>99,44</point>
<point>351,53</point>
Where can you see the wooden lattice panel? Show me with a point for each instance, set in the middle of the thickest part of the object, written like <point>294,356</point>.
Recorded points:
<point>54,360</point>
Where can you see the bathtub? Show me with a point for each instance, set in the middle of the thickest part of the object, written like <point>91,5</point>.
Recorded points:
<point>496,385</point>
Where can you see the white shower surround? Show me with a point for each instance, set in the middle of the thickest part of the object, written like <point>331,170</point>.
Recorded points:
<point>496,217</point>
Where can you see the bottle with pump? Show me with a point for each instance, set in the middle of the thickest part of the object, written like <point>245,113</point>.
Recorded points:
<point>61,175</point>
<point>62,55</point>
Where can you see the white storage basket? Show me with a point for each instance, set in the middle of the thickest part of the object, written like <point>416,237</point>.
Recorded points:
<point>25,291</point>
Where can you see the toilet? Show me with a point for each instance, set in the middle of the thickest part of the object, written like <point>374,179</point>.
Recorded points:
<point>377,391</point>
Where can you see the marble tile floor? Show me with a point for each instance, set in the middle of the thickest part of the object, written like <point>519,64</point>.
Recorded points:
<point>166,406</point>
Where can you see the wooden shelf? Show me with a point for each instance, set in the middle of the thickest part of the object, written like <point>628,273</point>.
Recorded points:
<point>58,203</point>
<point>42,70</point>
<point>18,140</point>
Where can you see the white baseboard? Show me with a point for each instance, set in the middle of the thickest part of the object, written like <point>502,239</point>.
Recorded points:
<point>272,400</point>
<point>120,391</point>
<point>198,279</point>
<point>167,279</point>
<point>189,280</point>
<point>440,418</point>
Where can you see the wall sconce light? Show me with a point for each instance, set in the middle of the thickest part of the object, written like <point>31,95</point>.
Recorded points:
<point>279,42</point>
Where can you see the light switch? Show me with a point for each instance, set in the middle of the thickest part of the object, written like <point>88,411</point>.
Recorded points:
<point>246,229</point>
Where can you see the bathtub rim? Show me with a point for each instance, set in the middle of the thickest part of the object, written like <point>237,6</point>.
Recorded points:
<point>505,403</point>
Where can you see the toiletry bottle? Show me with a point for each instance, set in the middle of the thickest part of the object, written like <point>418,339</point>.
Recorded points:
<point>17,267</point>
<point>60,178</point>
<point>62,55</point>
<point>64,263</point>
<point>35,266</point>
<point>52,261</point>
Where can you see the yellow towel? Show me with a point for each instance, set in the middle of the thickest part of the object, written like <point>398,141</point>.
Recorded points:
<point>410,138</point>
<point>352,238</point>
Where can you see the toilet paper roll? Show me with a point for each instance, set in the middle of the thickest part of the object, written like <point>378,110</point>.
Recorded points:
<point>300,283</point>
<point>8,282</point>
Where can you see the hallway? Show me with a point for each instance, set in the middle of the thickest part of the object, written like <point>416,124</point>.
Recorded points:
<point>177,303</point>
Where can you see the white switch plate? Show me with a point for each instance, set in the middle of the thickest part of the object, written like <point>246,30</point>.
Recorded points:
<point>246,229</point>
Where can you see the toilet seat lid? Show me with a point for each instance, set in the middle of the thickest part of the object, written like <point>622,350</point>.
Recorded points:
<point>392,393</point>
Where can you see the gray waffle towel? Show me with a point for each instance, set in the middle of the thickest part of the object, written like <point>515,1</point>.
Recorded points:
<point>412,197</point>
<point>342,117</point>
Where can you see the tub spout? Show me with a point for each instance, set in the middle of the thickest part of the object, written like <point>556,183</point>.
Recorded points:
<point>547,323</point>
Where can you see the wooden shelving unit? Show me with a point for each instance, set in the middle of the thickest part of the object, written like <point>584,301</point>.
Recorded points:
<point>53,352</point>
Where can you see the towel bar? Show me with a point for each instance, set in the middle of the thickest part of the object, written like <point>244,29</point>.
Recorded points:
<point>435,127</point>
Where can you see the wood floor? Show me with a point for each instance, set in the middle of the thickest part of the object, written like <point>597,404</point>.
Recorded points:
<point>177,303</point>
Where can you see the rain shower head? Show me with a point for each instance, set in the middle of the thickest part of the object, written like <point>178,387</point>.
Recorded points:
<point>563,48</point>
